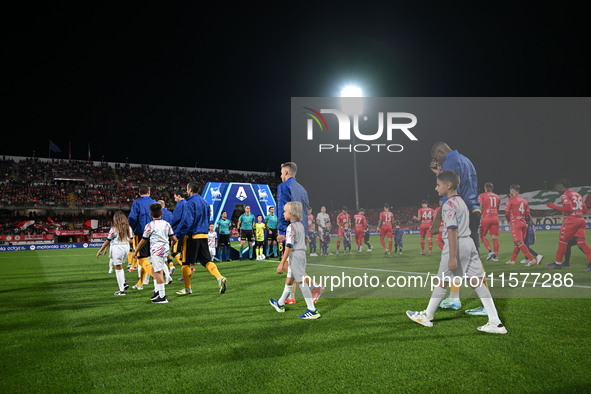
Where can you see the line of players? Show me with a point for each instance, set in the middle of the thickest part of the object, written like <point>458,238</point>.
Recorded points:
<point>517,212</point>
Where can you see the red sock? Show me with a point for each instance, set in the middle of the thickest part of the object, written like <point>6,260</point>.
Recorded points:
<point>485,242</point>
<point>561,251</point>
<point>430,245</point>
<point>586,249</point>
<point>496,246</point>
<point>390,243</point>
<point>338,244</point>
<point>423,244</point>
<point>525,251</point>
<point>383,243</point>
<point>515,252</point>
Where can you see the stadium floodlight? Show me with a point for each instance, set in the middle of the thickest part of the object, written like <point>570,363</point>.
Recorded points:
<point>352,104</point>
<point>351,91</point>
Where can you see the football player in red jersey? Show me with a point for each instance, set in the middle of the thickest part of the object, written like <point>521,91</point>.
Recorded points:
<point>385,226</point>
<point>426,216</point>
<point>517,212</point>
<point>489,224</point>
<point>360,225</point>
<point>342,219</point>
<point>573,224</point>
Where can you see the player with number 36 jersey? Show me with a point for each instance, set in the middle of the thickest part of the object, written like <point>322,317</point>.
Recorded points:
<point>573,225</point>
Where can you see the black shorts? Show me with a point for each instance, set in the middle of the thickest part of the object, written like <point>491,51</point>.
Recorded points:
<point>196,250</point>
<point>474,224</point>
<point>246,235</point>
<point>224,240</point>
<point>259,243</point>
<point>273,235</point>
<point>177,248</point>
<point>145,250</point>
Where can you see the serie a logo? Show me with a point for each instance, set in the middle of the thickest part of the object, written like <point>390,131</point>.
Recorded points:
<point>344,133</point>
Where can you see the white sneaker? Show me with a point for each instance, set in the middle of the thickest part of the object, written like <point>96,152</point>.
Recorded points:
<point>510,262</point>
<point>360,249</point>
<point>491,328</point>
<point>136,287</point>
<point>490,255</point>
<point>370,249</point>
<point>495,258</point>
<point>533,262</point>
<point>524,261</point>
<point>421,318</point>
<point>539,258</point>
<point>313,255</point>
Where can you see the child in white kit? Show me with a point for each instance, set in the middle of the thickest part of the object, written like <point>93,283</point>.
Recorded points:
<point>295,250</point>
<point>118,241</point>
<point>160,234</point>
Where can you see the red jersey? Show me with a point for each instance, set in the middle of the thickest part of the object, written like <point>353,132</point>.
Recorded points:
<point>572,205</point>
<point>489,205</point>
<point>387,218</point>
<point>343,218</point>
<point>426,215</point>
<point>360,221</point>
<point>517,209</point>
<point>310,220</point>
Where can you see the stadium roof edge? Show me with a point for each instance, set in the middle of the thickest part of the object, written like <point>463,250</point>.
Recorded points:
<point>112,164</point>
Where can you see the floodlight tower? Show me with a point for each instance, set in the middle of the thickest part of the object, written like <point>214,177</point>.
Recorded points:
<point>352,104</point>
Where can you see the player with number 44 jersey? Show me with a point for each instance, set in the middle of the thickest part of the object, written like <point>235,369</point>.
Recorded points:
<point>426,216</point>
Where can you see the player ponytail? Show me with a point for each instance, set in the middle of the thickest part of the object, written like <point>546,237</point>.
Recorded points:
<point>121,226</point>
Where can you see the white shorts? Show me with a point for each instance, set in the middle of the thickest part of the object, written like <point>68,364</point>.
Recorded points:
<point>118,254</point>
<point>469,264</point>
<point>212,252</point>
<point>158,262</point>
<point>297,265</point>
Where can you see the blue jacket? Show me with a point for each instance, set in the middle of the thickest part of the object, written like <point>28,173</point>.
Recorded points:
<point>166,215</point>
<point>288,191</point>
<point>195,219</point>
<point>468,188</point>
<point>140,214</point>
<point>177,214</point>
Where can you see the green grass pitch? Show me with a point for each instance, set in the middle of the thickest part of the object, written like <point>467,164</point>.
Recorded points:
<point>64,331</point>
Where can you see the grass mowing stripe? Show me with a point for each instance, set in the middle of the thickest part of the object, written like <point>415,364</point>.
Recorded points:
<point>236,341</point>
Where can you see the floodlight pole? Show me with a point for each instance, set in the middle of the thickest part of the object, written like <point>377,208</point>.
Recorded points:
<point>355,176</point>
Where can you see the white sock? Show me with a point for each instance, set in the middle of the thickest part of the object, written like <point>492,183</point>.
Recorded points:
<point>161,289</point>
<point>286,292</point>
<point>120,275</point>
<point>454,295</point>
<point>166,273</point>
<point>147,279</point>
<point>488,303</point>
<point>110,266</point>
<point>307,296</point>
<point>436,297</point>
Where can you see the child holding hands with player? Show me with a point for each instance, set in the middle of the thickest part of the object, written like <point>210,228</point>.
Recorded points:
<point>160,235</point>
<point>459,257</point>
<point>294,261</point>
<point>118,241</point>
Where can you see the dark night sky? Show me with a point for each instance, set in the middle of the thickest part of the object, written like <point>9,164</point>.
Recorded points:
<point>185,84</point>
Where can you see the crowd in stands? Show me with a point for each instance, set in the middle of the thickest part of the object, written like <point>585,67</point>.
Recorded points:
<point>84,184</point>
<point>34,183</point>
